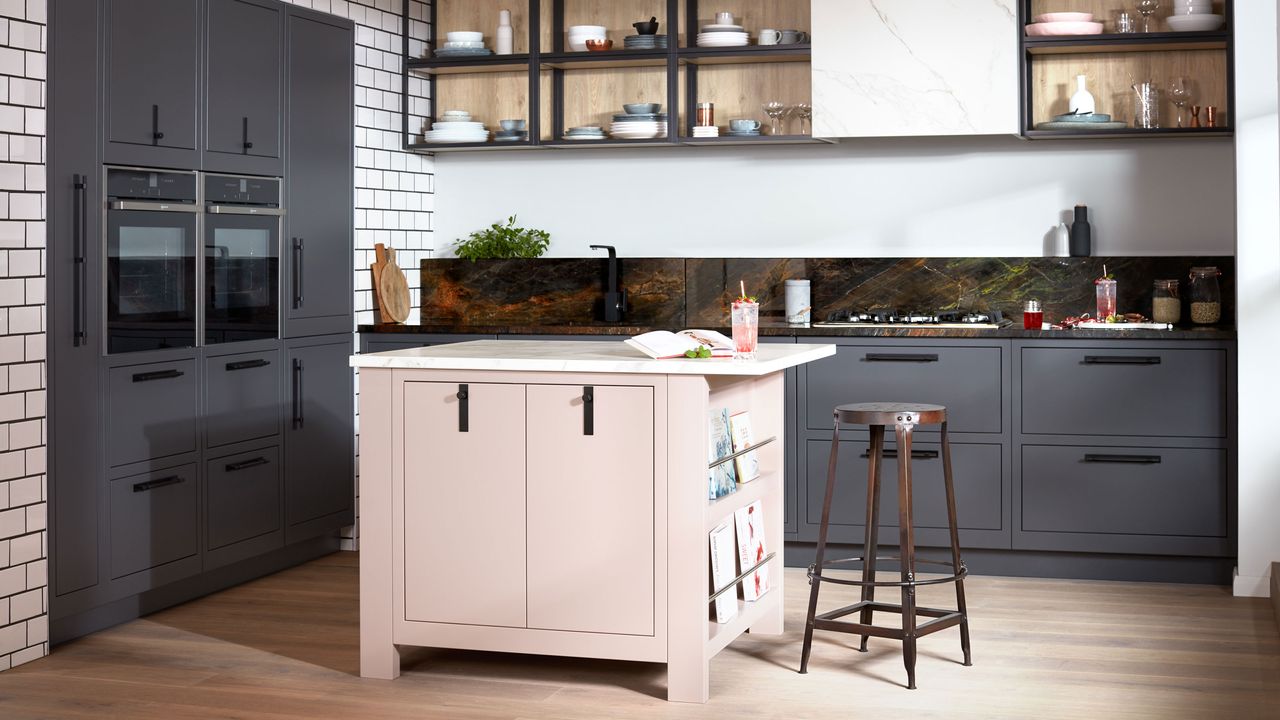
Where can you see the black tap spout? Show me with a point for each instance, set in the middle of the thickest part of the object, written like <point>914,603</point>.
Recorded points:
<point>615,300</point>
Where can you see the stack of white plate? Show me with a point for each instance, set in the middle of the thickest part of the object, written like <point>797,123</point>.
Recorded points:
<point>705,131</point>
<point>723,36</point>
<point>638,129</point>
<point>1064,23</point>
<point>580,34</point>
<point>1194,16</point>
<point>452,130</point>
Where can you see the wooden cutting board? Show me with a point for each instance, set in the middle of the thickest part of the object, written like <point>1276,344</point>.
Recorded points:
<point>393,291</point>
<point>375,269</point>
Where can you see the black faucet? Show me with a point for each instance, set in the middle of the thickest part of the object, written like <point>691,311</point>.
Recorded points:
<point>615,300</point>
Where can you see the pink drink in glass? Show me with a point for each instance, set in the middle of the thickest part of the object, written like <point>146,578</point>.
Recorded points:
<point>1106,298</point>
<point>746,329</point>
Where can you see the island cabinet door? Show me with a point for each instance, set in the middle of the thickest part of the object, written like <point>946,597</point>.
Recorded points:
<point>464,503</point>
<point>591,509</point>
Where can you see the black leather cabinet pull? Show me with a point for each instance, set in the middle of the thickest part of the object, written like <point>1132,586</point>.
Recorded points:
<point>247,364</point>
<point>902,357</point>
<point>157,375</point>
<point>464,419</point>
<point>1121,359</point>
<point>246,464</point>
<point>156,135</point>
<point>78,228</point>
<point>159,483</point>
<point>1129,459</point>
<point>297,393</point>
<point>588,410</point>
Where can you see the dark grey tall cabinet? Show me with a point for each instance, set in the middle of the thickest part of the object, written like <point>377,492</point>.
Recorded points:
<point>179,471</point>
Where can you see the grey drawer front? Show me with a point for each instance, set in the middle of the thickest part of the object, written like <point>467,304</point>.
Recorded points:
<point>243,401</point>
<point>964,379</point>
<point>1127,392</point>
<point>1184,494</point>
<point>152,411</point>
<point>243,496</point>
<point>977,481</point>
<point>153,519</point>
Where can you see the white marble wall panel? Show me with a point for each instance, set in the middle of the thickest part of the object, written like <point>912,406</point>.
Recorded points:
<point>887,68</point>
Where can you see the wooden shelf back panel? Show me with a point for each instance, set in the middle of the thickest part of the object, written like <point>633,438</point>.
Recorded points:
<point>1105,11</point>
<point>482,16</point>
<point>755,15</point>
<point>615,16</point>
<point>489,97</point>
<point>740,91</point>
<point>593,97</point>
<point>1053,80</point>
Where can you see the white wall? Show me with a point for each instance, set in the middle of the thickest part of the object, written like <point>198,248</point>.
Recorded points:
<point>1258,288</point>
<point>909,197</point>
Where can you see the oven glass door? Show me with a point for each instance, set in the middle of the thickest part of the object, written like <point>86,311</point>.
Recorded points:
<point>151,280</point>
<point>242,278</point>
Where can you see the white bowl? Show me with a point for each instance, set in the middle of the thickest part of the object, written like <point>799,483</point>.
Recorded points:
<point>1065,17</point>
<point>1195,23</point>
<point>595,29</point>
<point>465,36</point>
<point>1205,9</point>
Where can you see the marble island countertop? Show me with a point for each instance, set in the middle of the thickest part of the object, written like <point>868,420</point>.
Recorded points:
<point>583,357</point>
<point>1213,332</point>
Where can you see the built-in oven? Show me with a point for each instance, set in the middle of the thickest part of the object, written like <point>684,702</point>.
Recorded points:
<point>242,258</point>
<point>151,231</point>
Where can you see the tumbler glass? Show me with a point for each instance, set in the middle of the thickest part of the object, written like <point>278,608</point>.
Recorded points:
<point>1106,298</point>
<point>746,329</point>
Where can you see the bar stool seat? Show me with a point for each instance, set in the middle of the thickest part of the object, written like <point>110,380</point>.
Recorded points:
<point>903,417</point>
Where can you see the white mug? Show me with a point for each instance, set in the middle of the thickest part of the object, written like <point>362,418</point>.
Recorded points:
<point>724,18</point>
<point>770,36</point>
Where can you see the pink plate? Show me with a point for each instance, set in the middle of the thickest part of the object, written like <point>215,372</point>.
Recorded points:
<point>1065,17</point>
<point>1064,28</point>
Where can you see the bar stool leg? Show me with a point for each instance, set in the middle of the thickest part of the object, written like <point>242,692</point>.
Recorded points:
<point>816,568</point>
<point>907,551</point>
<point>955,544</point>
<point>873,526</point>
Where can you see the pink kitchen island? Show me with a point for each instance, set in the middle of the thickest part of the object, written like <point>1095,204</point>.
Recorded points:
<point>551,497</point>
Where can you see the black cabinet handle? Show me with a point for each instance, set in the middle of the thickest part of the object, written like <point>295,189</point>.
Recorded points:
<point>157,375</point>
<point>158,483</point>
<point>464,413</point>
<point>901,357</point>
<point>1121,359</point>
<point>80,211</point>
<point>297,273</point>
<point>156,135</point>
<point>1129,459</point>
<point>297,393</point>
<point>246,464</point>
<point>890,453</point>
<point>247,364</point>
<point>588,410</point>
<point>247,145</point>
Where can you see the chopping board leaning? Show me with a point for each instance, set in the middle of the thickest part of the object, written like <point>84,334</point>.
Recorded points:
<point>390,286</point>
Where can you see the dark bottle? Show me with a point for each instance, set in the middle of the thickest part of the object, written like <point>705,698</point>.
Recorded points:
<point>1081,234</point>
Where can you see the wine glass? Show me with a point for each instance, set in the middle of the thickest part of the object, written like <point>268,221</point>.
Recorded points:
<point>775,110</point>
<point>804,111</point>
<point>1147,8</point>
<point>1180,94</point>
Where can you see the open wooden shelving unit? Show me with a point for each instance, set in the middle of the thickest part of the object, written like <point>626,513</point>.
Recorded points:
<point>555,89</point>
<point>1112,61</point>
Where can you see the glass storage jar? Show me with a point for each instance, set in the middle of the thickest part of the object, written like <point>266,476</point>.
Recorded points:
<point>1166,306</point>
<point>1206,296</point>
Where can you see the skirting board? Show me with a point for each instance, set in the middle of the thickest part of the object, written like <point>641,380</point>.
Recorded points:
<point>1275,589</point>
<point>1249,585</point>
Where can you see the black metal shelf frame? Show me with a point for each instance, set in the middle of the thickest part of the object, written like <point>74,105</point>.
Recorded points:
<point>1031,48</point>
<point>557,62</point>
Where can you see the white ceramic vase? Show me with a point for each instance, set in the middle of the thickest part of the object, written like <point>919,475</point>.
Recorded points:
<point>504,36</point>
<point>1082,101</point>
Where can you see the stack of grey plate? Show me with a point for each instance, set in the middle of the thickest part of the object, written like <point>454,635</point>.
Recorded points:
<point>645,42</point>
<point>1082,121</point>
<point>458,52</point>
<point>585,132</point>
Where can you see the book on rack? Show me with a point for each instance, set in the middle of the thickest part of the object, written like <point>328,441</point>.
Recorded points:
<point>748,463</point>
<point>663,344</point>
<point>726,604</point>
<point>721,478</point>
<point>751,550</point>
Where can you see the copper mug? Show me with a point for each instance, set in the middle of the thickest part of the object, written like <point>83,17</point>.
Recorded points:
<point>1211,116</point>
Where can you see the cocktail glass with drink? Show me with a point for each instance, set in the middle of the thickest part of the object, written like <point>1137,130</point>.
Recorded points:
<point>1106,288</point>
<point>746,328</point>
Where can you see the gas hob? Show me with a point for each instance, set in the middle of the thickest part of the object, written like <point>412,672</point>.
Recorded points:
<point>948,319</point>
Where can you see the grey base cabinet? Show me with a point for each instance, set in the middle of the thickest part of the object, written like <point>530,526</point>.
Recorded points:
<point>318,441</point>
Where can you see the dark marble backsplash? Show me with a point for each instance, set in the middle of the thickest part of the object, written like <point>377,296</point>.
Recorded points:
<point>674,292</point>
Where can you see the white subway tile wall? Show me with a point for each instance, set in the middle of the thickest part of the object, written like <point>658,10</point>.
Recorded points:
<point>24,595</point>
<point>392,206</point>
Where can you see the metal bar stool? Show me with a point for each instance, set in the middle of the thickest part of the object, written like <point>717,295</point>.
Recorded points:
<point>903,417</point>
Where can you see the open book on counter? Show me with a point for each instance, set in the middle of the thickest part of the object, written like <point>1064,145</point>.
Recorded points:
<point>663,344</point>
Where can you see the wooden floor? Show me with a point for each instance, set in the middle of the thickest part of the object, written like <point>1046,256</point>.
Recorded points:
<point>286,647</point>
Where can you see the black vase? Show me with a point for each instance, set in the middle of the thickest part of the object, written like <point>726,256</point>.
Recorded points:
<point>1081,233</point>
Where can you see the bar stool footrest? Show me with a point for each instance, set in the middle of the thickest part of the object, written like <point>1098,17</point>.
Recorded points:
<point>813,573</point>
<point>942,619</point>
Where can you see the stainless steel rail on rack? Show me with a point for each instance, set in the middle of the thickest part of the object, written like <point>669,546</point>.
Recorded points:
<point>741,577</point>
<point>743,451</point>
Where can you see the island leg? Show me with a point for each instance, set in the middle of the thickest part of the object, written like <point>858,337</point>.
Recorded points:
<point>379,657</point>
<point>768,408</point>
<point>688,675</point>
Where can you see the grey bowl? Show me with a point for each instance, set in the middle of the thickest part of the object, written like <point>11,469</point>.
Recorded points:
<point>512,124</point>
<point>642,108</point>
